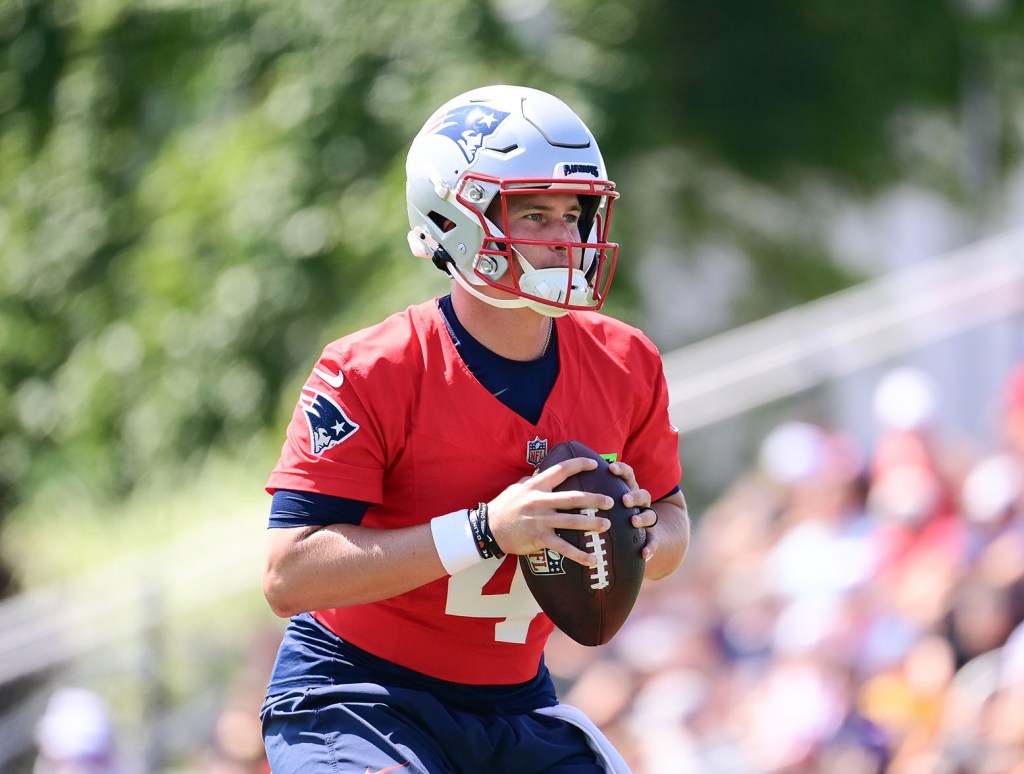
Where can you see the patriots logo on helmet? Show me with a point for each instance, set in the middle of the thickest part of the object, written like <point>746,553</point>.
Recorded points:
<point>468,126</point>
<point>328,424</point>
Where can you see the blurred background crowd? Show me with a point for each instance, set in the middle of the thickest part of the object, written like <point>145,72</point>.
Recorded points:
<point>196,196</point>
<point>842,610</point>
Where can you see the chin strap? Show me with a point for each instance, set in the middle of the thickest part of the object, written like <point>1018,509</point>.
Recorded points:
<point>509,303</point>
<point>501,303</point>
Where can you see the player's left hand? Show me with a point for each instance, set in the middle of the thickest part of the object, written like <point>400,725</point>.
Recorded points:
<point>638,498</point>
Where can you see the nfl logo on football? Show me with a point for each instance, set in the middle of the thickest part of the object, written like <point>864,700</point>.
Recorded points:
<point>536,450</point>
<point>546,561</point>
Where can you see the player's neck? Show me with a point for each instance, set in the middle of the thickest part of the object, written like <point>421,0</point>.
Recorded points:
<point>516,334</point>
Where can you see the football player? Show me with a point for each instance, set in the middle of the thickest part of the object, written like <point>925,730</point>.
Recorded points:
<point>404,490</point>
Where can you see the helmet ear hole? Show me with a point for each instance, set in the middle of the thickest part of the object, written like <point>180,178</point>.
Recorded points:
<point>441,221</point>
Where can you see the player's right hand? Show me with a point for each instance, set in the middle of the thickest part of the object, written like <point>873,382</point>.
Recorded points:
<point>524,517</point>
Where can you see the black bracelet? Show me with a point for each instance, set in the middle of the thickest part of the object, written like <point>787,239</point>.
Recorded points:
<point>485,527</point>
<point>486,545</point>
<point>476,526</point>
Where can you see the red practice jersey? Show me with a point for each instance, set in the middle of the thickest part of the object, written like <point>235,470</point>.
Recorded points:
<point>391,415</point>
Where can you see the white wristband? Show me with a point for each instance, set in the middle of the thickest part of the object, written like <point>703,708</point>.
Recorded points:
<point>454,541</point>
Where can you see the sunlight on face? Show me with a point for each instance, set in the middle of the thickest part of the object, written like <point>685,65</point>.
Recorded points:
<point>552,218</point>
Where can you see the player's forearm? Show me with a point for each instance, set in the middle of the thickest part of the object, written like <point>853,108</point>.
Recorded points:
<point>341,565</point>
<point>673,531</point>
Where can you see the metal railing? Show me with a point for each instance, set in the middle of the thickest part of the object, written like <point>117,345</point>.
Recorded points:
<point>800,348</point>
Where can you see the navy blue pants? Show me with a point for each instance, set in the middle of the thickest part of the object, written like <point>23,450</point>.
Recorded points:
<point>363,728</point>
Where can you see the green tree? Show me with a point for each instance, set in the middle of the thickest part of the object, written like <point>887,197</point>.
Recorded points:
<point>195,196</point>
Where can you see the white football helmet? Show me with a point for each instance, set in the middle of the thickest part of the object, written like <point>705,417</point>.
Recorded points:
<point>500,141</point>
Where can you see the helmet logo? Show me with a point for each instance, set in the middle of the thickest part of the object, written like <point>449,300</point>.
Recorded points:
<point>576,169</point>
<point>468,126</point>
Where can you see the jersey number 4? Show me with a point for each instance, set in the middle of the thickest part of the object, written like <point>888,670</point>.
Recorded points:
<point>471,593</point>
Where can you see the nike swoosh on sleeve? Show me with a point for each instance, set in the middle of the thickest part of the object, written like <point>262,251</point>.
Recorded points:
<point>335,380</point>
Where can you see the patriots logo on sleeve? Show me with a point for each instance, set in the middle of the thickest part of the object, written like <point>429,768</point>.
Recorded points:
<point>468,126</point>
<point>328,424</point>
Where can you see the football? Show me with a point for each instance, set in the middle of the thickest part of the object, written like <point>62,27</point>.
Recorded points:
<point>589,604</point>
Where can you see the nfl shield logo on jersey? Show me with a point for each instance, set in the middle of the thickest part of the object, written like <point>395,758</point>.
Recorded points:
<point>536,450</point>
<point>328,424</point>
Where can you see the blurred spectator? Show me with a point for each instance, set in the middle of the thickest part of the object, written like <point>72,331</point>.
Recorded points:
<point>819,548</point>
<point>236,746</point>
<point>991,499</point>
<point>75,735</point>
<point>906,400</point>
<point>1012,415</point>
